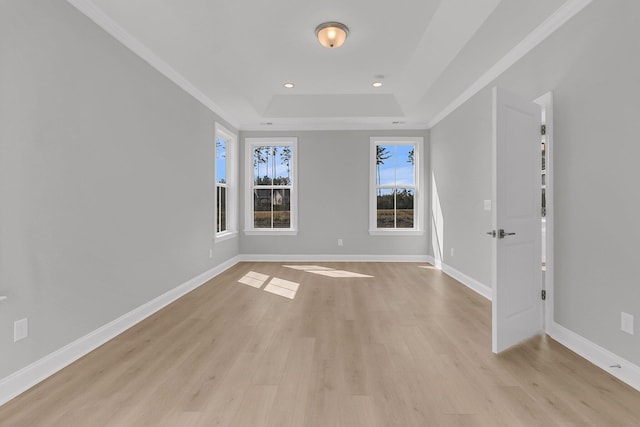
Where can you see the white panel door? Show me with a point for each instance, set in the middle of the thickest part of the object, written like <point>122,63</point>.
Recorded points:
<point>517,265</point>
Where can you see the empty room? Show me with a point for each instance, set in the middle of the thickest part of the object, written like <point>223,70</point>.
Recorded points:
<point>339,213</point>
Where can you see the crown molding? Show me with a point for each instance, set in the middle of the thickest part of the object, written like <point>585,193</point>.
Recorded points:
<point>328,126</point>
<point>533,39</point>
<point>98,16</point>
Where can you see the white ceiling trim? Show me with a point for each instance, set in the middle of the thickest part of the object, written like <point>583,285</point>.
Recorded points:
<point>327,126</point>
<point>550,25</point>
<point>91,11</point>
<point>544,30</point>
<point>442,42</point>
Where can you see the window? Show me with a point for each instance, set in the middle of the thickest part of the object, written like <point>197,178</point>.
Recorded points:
<point>271,186</point>
<point>225,194</point>
<point>396,177</point>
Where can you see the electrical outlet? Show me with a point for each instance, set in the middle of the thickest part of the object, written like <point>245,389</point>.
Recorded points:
<point>20,329</point>
<point>340,242</point>
<point>487,205</point>
<point>626,322</point>
<point>451,251</point>
<point>210,253</point>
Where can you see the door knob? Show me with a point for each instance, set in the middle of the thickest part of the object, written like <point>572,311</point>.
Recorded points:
<point>502,234</point>
<point>492,233</point>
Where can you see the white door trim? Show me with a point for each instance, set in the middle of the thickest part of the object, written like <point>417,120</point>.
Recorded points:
<point>546,102</point>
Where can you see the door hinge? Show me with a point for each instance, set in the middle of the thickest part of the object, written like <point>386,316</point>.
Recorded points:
<point>543,129</point>
<point>544,295</point>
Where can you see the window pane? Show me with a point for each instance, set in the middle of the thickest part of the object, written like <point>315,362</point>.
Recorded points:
<point>261,166</point>
<point>262,208</point>
<point>385,211</point>
<point>221,160</point>
<point>282,208</point>
<point>271,181</point>
<point>385,167</point>
<point>405,165</point>
<point>221,222</point>
<point>404,208</point>
<point>283,168</point>
<point>270,164</point>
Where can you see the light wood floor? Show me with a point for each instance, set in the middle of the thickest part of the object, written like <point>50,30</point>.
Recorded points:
<point>408,347</point>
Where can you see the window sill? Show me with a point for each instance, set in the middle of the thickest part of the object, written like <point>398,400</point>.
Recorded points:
<point>395,232</point>
<point>271,232</point>
<point>221,237</point>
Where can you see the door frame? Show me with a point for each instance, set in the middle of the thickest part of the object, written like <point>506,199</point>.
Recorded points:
<point>546,102</point>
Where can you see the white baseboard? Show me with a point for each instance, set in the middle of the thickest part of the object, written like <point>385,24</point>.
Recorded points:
<point>469,282</point>
<point>627,372</point>
<point>22,380</point>
<point>431,260</point>
<point>27,377</point>
<point>332,258</point>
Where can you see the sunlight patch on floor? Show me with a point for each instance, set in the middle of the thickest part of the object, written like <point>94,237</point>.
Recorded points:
<point>339,273</point>
<point>277,286</point>
<point>428,267</point>
<point>326,271</point>
<point>254,279</point>
<point>282,287</point>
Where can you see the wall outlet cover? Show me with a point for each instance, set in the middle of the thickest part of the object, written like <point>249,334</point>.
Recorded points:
<point>20,329</point>
<point>487,205</point>
<point>626,322</point>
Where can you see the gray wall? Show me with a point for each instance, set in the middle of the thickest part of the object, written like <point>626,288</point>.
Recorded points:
<point>106,172</point>
<point>461,181</point>
<point>333,198</point>
<point>592,65</point>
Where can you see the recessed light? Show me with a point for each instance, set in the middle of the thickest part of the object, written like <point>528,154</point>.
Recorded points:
<point>289,85</point>
<point>377,84</point>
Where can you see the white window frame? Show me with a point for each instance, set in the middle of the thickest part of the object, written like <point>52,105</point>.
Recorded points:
<point>418,202</point>
<point>250,144</point>
<point>231,185</point>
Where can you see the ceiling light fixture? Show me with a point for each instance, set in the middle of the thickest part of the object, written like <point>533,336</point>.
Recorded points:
<point>377,84</point>
<point>289,85</point>
<point>331,34</point>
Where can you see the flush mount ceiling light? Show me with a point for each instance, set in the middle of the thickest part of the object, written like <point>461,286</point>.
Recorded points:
<point>331,34</point>
<point>289,85</point>
<point>377,84</point>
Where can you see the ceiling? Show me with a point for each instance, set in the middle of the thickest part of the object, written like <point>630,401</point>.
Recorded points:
<point>237,54</point>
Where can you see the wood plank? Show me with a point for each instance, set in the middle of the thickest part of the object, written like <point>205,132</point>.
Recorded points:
<point>407,347</point>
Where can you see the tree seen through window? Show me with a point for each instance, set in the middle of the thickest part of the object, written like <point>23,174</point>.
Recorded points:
<point>395,187</point>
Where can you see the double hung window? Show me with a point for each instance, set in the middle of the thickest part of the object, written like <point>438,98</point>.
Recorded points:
<point>395,186</point>
<point>225,183</point>
<point>271,190</point>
